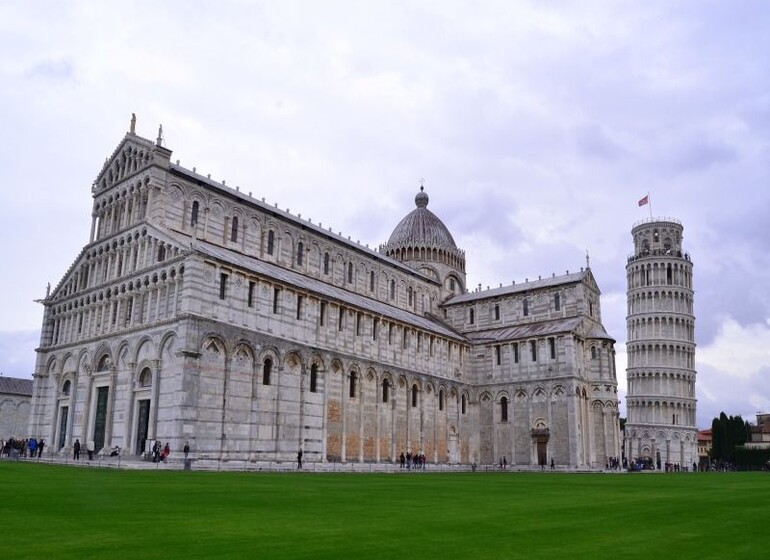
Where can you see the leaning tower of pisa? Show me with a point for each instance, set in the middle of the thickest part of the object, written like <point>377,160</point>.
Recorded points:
<point>660,427</point>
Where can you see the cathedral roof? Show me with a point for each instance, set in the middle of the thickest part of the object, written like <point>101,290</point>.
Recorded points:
<point>15,386</point>
<point>569,278</point>
<point>421,227</point>
<point>375,307</point>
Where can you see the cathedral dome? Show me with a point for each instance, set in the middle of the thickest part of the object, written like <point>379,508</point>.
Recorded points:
<point>421,228</point>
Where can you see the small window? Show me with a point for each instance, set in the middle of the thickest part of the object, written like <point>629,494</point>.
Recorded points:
<point>353,377</point>
<point>299,306</point>
<point>66,388</point>
<point>371,281</point>
<point>497,312</point>
<point>270,242</point>
<point>390,333</point>
<point>385,390</point>
<point>326,263</point>
<point>515,352</point>
<point>194,213</point>
<point>314,378</point>
<point>267,367</point>
<point>472,317</point>
<point>441,399</point>
<point>498,355</point>
<point>409,296</point>
<point>350,273</point>
<point>593,352</point>
<point>405,338</point>
<point>414,396</point>
<point>552,348</point>
<point>341,319</point>
<point>392,289</point>
<point>462,405</point>
<point>145,378</point>
<point>234,230</point>
<point>222,285</point>
<point>276,299</point>
<point>359,318</point>
<point>300,253</point>
<point>504,409</point>
<point>431,343</point>
<point>322,314</point>
<point>557,302</point>
<point>375,323</point>
<point>161,256</point>
<point>452,284</point>
<point>525,305</point>
<point>250,294</point>
<point>533,349</point>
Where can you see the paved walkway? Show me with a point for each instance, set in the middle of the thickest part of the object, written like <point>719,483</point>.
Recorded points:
<point>136,463</point>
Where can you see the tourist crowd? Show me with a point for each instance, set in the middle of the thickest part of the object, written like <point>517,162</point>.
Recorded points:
<point>15,448</point>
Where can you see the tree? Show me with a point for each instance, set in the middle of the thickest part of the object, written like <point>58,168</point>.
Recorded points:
<point>728,432</point>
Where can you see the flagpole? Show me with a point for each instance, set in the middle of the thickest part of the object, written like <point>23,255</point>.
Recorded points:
<point>649,203</point>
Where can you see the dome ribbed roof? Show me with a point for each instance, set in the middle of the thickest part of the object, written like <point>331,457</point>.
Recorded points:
<point>421,227</point>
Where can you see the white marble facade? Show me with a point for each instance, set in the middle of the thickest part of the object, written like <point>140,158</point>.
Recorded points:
<point>199,313</point>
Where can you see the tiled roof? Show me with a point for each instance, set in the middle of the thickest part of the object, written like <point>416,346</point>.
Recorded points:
<point>573,278</point>
<point>525,331</point>
<point>15,386</point>
<point>291,278</point>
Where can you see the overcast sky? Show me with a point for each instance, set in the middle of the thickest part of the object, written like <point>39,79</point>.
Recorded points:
<point>536,126</point>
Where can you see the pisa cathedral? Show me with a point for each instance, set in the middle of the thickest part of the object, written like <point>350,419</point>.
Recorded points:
<point>199,313</point>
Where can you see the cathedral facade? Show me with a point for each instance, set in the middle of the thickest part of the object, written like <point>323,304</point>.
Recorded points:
<point>197,313</point>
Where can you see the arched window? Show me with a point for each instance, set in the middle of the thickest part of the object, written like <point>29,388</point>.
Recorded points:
<point>462,405</point>
<point>409,296</point>
<point>314,378</point>
<point>503,409</point>
<point>414,396</point>
<point>385,390</point>
<point>353,376</point>
<point>194,213</point>
<point>472,316</point>
<point>270,242</point>
<point>441,399</point>
<point>593,352</point>
<point>161,253</point>
<point>104,363</point>
<point>557,302</point>
<point>145,378</point>
<point>234,230</point>
<point>300,253</point>
<point>525,305</point>
<point>326,263</point>
<point>66,388</point>
<point>371,281</point>
<point>350,273</point>
<point>392,289</point>
<point>266,369</point>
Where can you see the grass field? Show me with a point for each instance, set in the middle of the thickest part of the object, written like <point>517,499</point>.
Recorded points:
<point>55,512</point>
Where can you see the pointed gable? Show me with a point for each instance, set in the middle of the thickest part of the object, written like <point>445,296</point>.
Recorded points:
<point>132,155</point>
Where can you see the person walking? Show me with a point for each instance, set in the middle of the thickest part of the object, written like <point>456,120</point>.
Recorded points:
<point>186,449</point>
<point>76,450</point>
<point>299,459</point>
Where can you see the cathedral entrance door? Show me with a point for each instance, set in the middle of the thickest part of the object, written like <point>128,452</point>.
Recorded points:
<point>64,412</point>
<point>542,453</point>
<point>141,426</point>
<point>100,420</point>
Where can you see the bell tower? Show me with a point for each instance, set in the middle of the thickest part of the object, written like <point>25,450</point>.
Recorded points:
<point>661,427</point>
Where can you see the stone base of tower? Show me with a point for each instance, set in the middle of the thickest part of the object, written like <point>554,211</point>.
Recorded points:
<point>662,447</point>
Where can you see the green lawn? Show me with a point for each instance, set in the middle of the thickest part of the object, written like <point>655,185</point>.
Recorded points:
<point>55,512</point>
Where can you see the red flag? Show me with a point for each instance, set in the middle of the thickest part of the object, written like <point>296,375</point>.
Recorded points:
<point>645,200</point>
